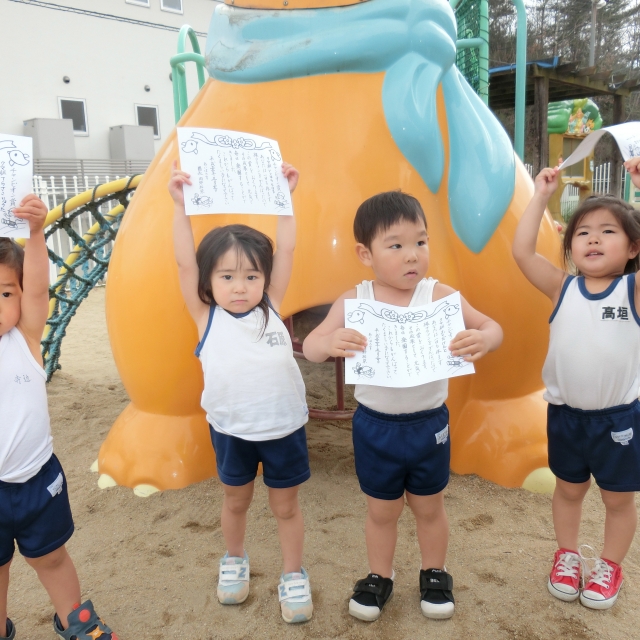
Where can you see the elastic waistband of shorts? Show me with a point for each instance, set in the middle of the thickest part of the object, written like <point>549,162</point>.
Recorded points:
<point>402,418</point>
<point>621,408</point>
<point>43,469</point>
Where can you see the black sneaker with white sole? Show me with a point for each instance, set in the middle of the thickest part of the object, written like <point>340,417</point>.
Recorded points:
<point>369,597</point>
<point>436,593</point>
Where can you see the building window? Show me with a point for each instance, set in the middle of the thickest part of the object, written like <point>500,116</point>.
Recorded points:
<point>148,115</point>
<point>142,3</point>
<point>171,5</point>
<point>76,110</point>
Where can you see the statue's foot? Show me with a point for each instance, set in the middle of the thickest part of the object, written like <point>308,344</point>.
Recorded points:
<point>504,441</point>
<point>150,452</point>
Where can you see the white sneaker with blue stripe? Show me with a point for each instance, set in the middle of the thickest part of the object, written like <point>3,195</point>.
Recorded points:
<point>294,593</point>
<point>233,580</point>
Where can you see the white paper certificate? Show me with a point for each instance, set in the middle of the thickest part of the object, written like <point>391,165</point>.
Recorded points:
<point>16,182</point>
<point>232,172</point>
<point>406,346</point>
<point>626,135</point>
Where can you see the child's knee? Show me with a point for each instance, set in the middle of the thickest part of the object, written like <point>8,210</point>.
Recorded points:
<point>50,561</point>
<point>285,509</point>
<point>427,508</point>
<point>384,512</point>
<point>572,491</point>
<point>619,502</point>
<point>237,505</point>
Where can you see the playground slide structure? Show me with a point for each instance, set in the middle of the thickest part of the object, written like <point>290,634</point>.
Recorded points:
<point>362,98</point>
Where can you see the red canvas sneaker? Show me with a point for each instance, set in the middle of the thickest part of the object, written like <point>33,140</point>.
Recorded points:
<point>603,585</point>
<point>564,581</point>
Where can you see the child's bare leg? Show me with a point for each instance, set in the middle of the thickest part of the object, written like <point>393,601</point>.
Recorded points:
<point>619,525</point>
<point>381,533</point>
<point>567,511</point>
<point>433,528</point>
<point>233,519</point>
<point>286,509</point>
<point>4,590</point>
<point>59,578</point>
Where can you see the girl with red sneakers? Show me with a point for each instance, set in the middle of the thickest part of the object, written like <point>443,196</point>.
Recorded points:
<point>592,376</point>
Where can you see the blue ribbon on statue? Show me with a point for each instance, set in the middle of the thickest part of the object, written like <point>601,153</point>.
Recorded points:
<point>414,41</point>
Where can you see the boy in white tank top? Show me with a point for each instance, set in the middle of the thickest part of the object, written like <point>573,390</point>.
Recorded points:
<point>400,435</point>
<point>34,504</point>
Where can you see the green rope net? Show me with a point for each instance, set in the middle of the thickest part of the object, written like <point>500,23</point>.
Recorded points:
<point>468,60</point>
<point>81,260</point>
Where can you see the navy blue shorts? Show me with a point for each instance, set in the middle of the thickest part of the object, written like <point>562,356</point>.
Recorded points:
<point>36,513</point>
<point>605,443</point>
<point>285,461</point>
<point>394,453</point>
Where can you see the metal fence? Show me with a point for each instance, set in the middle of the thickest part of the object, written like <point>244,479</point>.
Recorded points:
<point>61,167</point>
<point>600,183</point>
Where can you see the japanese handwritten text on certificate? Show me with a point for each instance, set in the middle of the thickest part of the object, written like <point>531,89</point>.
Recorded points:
<point>232,172</point>
<point>406,346</point>
<point>16,182</point>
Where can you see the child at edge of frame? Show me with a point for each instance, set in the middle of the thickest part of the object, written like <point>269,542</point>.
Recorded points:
<point>396,452</point>
<point>34,503</point>
<point>591,375</point>
<point>233,286</point>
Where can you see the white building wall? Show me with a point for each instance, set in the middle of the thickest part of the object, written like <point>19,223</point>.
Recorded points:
<point>109,62</point>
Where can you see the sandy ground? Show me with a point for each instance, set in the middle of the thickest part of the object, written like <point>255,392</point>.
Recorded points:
<point>150,564</point>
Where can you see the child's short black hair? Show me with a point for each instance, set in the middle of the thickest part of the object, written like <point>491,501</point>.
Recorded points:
<point>12,256</point>
<point>382,211</point>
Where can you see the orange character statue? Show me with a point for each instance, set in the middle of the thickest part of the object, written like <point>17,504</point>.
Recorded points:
<point>362,96</point>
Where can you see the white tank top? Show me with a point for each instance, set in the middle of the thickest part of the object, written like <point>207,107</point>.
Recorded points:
<point>594,348</point>
<point>25,432</point>
<point>253,388</point>
<point>408,399</point>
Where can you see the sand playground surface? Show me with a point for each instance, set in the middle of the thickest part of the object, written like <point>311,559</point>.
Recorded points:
<point>150,565</point>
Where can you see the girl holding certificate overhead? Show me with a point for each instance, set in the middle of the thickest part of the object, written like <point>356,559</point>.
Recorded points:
<point>253,393</point>
<point>592,374</point>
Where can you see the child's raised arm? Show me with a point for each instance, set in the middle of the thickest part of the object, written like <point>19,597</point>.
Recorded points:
<point>330,338</point>
<point>632,165</point>
<point>285,246</point>
<point>185,252</point>
<point>536,268</point>
<point>34,304</point>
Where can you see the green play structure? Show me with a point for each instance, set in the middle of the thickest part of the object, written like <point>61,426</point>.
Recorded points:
<point>573,117</point>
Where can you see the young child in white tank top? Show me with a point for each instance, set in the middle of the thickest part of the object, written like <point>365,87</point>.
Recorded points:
<point>592,375</point>
<point>34,503</point>
<point>400,436</point>
<point>253,393</point>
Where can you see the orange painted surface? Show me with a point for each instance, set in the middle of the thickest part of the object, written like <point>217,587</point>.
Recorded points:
<point>333,129</point>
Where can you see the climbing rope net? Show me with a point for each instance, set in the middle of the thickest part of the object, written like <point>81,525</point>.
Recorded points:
<point>468,60</point>
<point>80,258</point>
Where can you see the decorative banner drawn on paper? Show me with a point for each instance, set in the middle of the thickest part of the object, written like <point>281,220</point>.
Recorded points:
<point>232,172</point>
<point>16,182</point>
<point>406,346</point>
<point>627,136</point>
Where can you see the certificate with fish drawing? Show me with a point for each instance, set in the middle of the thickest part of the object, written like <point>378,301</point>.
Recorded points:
<point>232,172</point>
<point>16,182</point>
<point>406,346</point>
